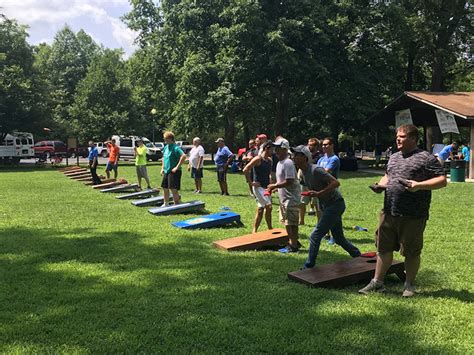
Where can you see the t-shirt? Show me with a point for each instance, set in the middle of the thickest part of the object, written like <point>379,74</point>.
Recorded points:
<point>222,156</point>
<point>289,196</point>
<point>93,153</point>
<point>140,159</point>
<point>113,152</point>
<point>171,155</point>
<point>317,179</point>
<point>445,152</point>
<point>466,153</point>
<point>194,155</point>
<point>418,165</point>
<point>331,163</point>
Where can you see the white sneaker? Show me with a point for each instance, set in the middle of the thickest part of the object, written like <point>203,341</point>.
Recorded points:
<point>373,286</point>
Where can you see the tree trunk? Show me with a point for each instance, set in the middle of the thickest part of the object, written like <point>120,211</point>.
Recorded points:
<point>281,109</point>
<point>433,136</point>
<point>410,66</point>
<point>229,133</point>
<point>437,72</point>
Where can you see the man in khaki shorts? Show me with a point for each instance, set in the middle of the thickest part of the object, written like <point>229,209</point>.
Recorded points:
<point>411,175</point>
<point>288,193</point>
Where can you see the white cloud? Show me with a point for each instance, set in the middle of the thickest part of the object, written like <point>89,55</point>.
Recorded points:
<point>50,15</point>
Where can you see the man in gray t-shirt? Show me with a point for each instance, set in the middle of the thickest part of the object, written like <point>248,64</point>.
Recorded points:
<point>324,186</point>
<point>288,193</point>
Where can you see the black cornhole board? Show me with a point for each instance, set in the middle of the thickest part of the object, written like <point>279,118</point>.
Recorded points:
<point>139,194</point>
<point>152,201</point>
<point>177,209</point>
<point>344,273</point>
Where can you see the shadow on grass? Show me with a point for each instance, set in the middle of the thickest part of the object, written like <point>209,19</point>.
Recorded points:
<point>84,290</point>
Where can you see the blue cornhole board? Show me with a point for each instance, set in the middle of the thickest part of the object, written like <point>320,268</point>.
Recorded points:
<point>139,194</point>
<point>176,209</point>
<point>209,221</point>
<point>121,188</point>
<point>152,201</point>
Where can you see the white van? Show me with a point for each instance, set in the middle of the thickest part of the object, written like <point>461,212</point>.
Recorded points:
<point>127,143</point>
<point>16,146</point>
<point>102,149</point>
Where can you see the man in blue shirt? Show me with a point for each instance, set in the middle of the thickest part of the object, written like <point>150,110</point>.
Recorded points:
<point>222,160</point>
<point>329,162</point>
<point>447,152</point>
<point>93,161</point>
<point>466,153</point>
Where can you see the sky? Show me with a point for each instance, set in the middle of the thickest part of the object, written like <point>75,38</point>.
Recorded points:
<point>99,18</point>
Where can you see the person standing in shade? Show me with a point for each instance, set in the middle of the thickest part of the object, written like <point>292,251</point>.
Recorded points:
<point>411,175</point>
<point>93,161</point>
<point>196,163</point>
<point>261,166</point>
<point>288,193</point>
<point>465,154</point>
<point>173,158</point>
<point>447,152</point>
<point>112,163</point>
<point>330,163</point>
<point>140,163</point>
<point>222,160</point>
<point>324,186</point>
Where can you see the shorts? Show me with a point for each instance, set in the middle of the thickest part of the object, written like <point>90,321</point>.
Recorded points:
<point>289,216</point>
<point>142,172</point>
<point>111,166</point>
<point>262,200</point>
<point>400,233</point>
<point>172,180</point>
<point>196,173</point>
<point>306,200</point>
<point>221,174</point>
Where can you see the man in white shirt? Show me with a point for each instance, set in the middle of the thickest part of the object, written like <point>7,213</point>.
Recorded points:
<point>196,163</point>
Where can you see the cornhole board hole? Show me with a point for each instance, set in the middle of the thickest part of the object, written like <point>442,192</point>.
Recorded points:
<point>140,194</point>
<point>121,188</point>
<point>270,238</point>
<point>109,184</point>
<point>177,209</point>
<point>152,201</point>
<point>104,181</point>
<point>344,273</point>
<point>209,221</point>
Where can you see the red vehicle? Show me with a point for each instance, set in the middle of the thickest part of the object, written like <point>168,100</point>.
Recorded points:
<point>48,149</point>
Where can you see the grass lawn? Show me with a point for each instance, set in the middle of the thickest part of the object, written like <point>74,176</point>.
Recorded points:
<point>81,271</point>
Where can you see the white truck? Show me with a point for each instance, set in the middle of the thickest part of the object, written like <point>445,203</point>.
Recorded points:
<point>127,143</point>
<point>16,146</point>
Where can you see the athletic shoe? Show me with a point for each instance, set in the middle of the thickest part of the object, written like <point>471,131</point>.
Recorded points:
<point>226,194</point>
<point>373,286</point>
<point>409,291</point>
<point>288,249</point>
<point>331,241</point>
<point>198,191</point>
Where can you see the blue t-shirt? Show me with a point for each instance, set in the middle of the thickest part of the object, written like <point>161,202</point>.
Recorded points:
<point>445,152</point>
<point>93,153</point>
<point>222,156</point>
<point>331,163</point>
<point>465,151</point>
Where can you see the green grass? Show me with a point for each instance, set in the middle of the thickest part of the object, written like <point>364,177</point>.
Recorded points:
<point>84,272</point>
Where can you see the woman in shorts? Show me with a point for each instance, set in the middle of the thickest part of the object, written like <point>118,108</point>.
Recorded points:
<point>261,168</point>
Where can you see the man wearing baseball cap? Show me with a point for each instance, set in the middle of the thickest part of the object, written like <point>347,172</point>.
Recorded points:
<point>288,194</point>
<point>324,186</point>
<point>222,160</point>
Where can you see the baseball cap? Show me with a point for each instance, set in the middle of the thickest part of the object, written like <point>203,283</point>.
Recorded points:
<point>302,149</point>
<point>282,143</point>
<point>218,140</point>
<point>262,136</point>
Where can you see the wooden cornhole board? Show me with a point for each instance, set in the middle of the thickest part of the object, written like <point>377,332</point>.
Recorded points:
<point>70,168</point>
<point>139,194</point>
<point>77,173</point>
<point>89,178</point>
<point>104,181</point>
<point>110,184</point>
<point>270,238</point>
<point>82,176</point>
<point>184,207</point>
<point>344,273</point>
<point>121,188</point>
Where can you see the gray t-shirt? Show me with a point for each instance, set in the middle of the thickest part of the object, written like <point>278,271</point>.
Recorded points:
<point>316,178</point>
<point>418,165</point>
<point>290,195</point>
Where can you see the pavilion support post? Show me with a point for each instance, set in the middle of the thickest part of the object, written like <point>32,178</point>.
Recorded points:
<point>471,155</point>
